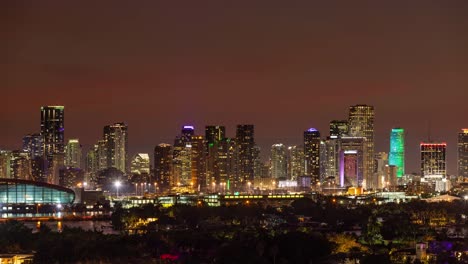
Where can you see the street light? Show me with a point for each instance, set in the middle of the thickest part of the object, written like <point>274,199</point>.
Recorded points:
<point>249,183</point>
<point>117,186</point>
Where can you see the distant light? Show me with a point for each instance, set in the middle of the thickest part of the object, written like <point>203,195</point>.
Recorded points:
<point>189,127</point>
<point>312,129</point>
<point>117,184</point>
<point>59,206</point>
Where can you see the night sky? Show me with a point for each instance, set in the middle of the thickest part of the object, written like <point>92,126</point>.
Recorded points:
<point>284,66</point>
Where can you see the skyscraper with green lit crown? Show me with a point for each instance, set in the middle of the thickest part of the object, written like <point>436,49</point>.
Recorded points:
<point>397,150</point>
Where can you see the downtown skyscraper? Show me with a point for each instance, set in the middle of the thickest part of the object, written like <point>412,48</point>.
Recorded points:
<point>246,154</point>
<point>163,156</point>
<point>312,153</point>
<point>397,150</point>
<point>53,130</point>
<point>73,154</point>
<point>361,124</point>
<point>279,164</point>
<point>462,159</point>
<point>433,159</point>
<point>116,140</point>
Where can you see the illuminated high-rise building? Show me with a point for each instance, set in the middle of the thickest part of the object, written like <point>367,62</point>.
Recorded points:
<point>397,150</point>
<point>433,159</point>
<point>140,164</point>
<point>338,128</point>
<point>5,159</point>
<point>361,124</point>
<point>101,154</point>
<point>91,165</point>
<point>312,153</point>
<point>295,162</point>
<point>246,156</point>
<point>331,158</point>
<point>163,165</point>
<point>234,182</point>
<point>57,164</point>
<point>73,154</point>
<point>20,165</point>
<point>214,134</point>
<point>352,156</point>
<point>53,130</point>
<point>198,163</point>
<point>34,145</point>
<point>381,169</point>
<point>279,165</point>
<point>182,167</point>
<point>463,153</point>
<point>116,137</point>
<point>216,160</point>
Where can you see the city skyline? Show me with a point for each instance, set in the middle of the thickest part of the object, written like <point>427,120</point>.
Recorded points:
<point>158,66</point>
<point>265,150</point>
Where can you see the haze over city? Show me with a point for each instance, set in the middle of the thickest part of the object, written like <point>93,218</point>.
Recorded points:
<point>158,66</point>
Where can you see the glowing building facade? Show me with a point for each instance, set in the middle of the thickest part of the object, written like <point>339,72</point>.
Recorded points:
<point>463,153</point>
<point>53,130</point>
<point>361,124</point>
<point>312,153</point>
<point>397,150</point>
<point>245,153</point>
<point>279,165</point>
<point>116,138</point>
<point>73,153</point>
<point>163,165</point>
<point>433,159</point>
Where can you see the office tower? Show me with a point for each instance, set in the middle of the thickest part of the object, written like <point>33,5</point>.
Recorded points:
<point>397,150</point>
<point>352,156</point>
<point>381,164</point>
<point>91,165</point>
<point>101,155</point>
<point>245,145</point>
<point>323,161</point>
<point>5,159</point>
<point>182,168</point>
<point>312,153</point>
<point>140,164</point>
<point>338,128</point>
<point>463,153</point>
<point>198,162</point>
<point>20,165</point>
<point>73,153</point>
<point>116,137</point>
<point>34,145</point>
<point>216,152</point>
<point>234,182</point>
<point>331,158</point>
<point>214,134</point>
<point>52,130</point>
<point>278,159</point>
<point>58,163</point>
<point>433,159</point>
<point>295,162</point>
<point>258,164</point>
<point>163,164</point>
<point>361,124</point>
